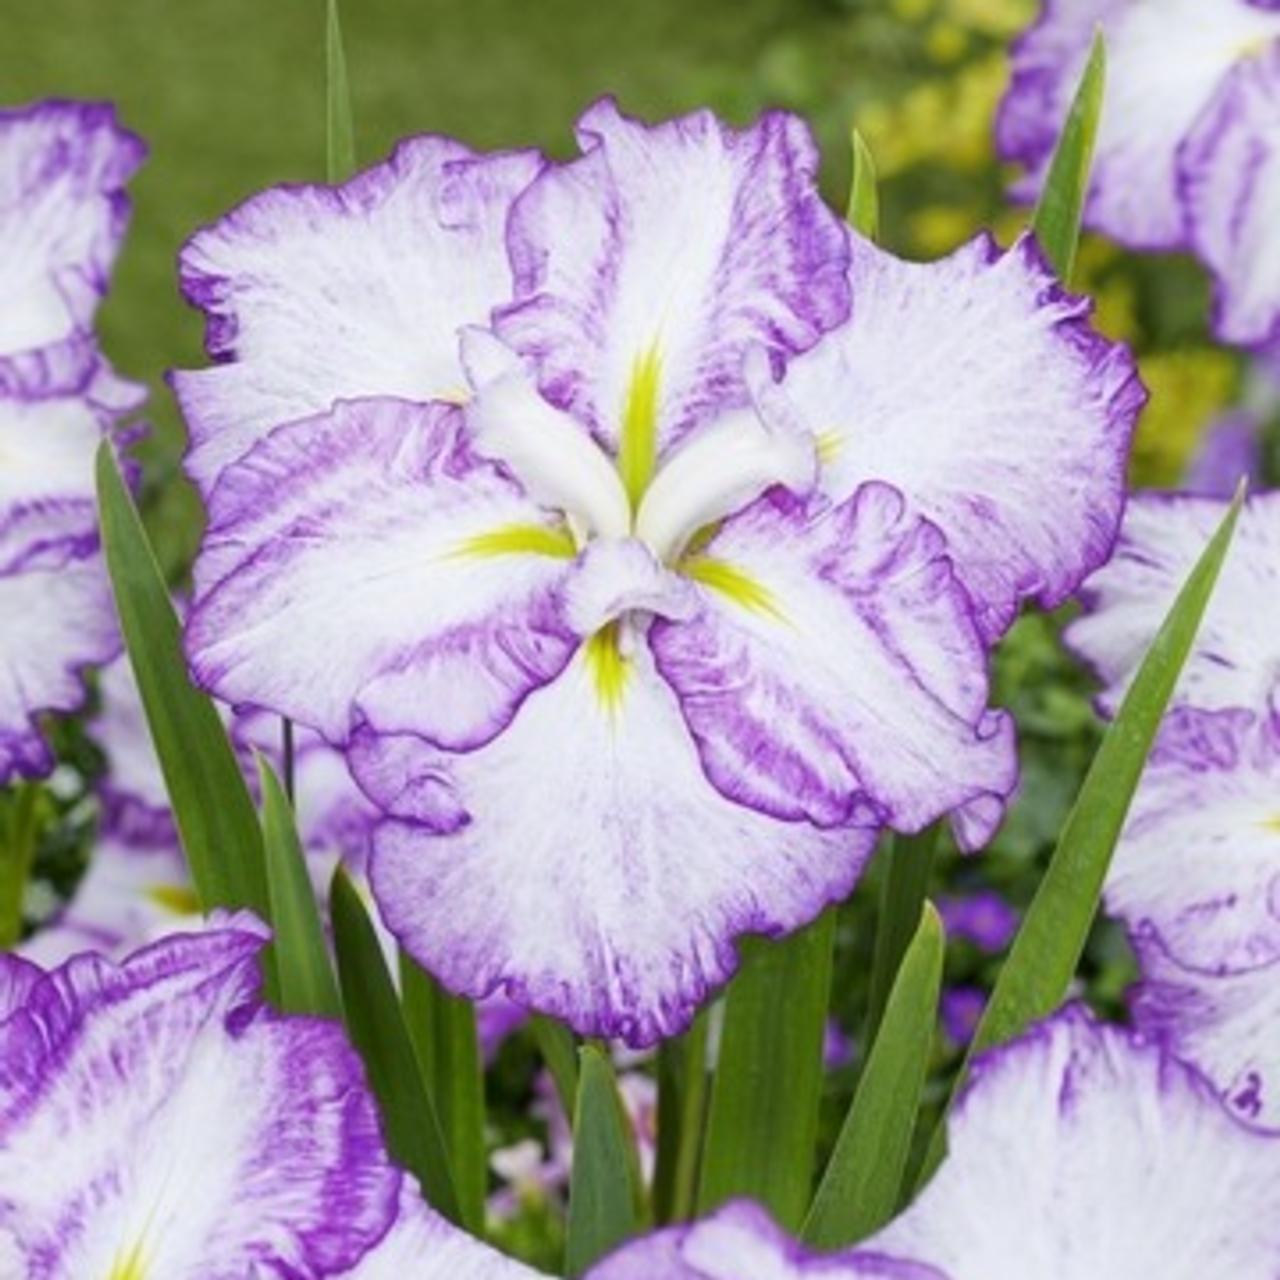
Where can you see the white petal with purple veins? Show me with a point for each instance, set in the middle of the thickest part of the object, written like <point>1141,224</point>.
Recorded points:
<point>365,565</point>
<point>977,386</point>
<point>315,294</point>
<point>1079,1152</point>
<point>1236,658</point>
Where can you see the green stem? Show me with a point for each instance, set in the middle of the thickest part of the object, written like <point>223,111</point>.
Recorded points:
<point>682,1093</point>
<point>16,861</point>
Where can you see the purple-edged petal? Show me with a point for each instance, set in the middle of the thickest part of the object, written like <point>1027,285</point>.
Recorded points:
<point>583,860</point>
<point>17,977</point>
<point>1199,859</point>
<point>1227,1025</point>
<point>315,294</point>
<point>1166,60</point>
<point>741,1242</point>
<point>647,268</point>
<point>1082,1152</point>
<point>977,386</point>
<point>63,166</point>
<point>47,448</point>
<point>1230,181</point>
<point>424,1246</point>
<point>365,565</point>
<point>58,618</point>
<point>1236,658</point>
<point>199,1136</point>
<point>833,673</point>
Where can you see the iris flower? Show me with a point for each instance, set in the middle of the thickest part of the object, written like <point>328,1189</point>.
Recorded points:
<point>63,167</point>
<point>1186,147</point>
<point>157,1121</point>
<point>1084,1152</point>
<point>642,610</point>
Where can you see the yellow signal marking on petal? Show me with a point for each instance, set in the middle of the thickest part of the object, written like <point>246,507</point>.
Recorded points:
<point>177,898</point>
<point>1271,824</point>
<point>734,583</point>
<point>609,670</point>
<point>453,395</point>
<point>131,1265</point>
<point>520,539</point>
<point>830,445</point>
<point>638,445</point>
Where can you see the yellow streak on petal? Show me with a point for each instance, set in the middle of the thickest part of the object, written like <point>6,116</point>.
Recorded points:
<point>519,539</point>
<point>608,669</point>
<point>177,898</point>
<point>638,446</point>
<point>1271,824</point>
<point>830,445</point>
<point>453,395</point>
<point>734,583</point>
<point>131,1265</point>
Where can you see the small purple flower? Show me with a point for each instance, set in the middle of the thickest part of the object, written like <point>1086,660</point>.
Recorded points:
<point>586,637</point>
<point>199,1136</point>
<point>1082,1151</point>
<point>62,215</point>
<point>961,1010</point>
<point>983,918</point>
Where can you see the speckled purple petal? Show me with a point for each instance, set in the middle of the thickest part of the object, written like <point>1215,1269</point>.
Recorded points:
<point>977,387</point>
<point>1166,60</point>
<point>314,294</point>
<point>63,211</point>
<point>1227,1025</point>
<point>741,1242</point>
<point>849,686</point>
<point>17,977</point>
<point>1199,858</point>
<point>1079,1152</point>
<point>58,619</point>
<point>199,1136</point>
<point>1236,658</point>
<point>680,244</point>
<point>583,860</point>
<point>1229,176</point>
<point>336,586</point>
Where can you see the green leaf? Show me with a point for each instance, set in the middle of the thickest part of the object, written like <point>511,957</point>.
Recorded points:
<point>863,1182</point>
<point>378,1032</point>
<point>304,976</point>
<point>682,1106</point>
<point>555,1043</point>
<point>340,129</point>
<point>863,214</point>
<point>1042,961</point>
<point>442,1028</point>
<point>211,804</point>
<point>1056,221</point>
<point>602,1194</point>
<point>908,863</point>
<point>20,820</point>
<point>763,1120</point>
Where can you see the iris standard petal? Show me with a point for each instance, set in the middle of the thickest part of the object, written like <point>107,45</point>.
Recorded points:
<point>63,211</point>
<point>1229,172</point>
<point>977,386</point>
<point>314,294</point>
<point>1166,60</point>
<point>1199,859</point>
<point>646,268</point>
<point>365,565</point>
<point>741,1242</point>
<point>199,1136</point>
<point>1069,1109</point>
<point>582,859</point>
<point>1236,658</point>
<point>833,672</point>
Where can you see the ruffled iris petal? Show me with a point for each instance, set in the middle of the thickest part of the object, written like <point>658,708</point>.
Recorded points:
<point>315,294</point>
<point>977,387</point>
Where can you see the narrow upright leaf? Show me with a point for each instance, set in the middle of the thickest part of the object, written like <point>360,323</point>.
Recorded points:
<point>211,804</point>
<point>378,1032</point>
<point>19,831</point>
<point>1056,220</point>
<point>863,214</point>
<point>763,1120</point>
<point>443,1030</point>
<point>908,863</point>
<point>682,1099</point>
<point>304,976</point>
<point>340,131</point>
<point>863,1181</point>
<point>602,1196</point>
<point>555,1041</point>
<point>1043,959</point>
